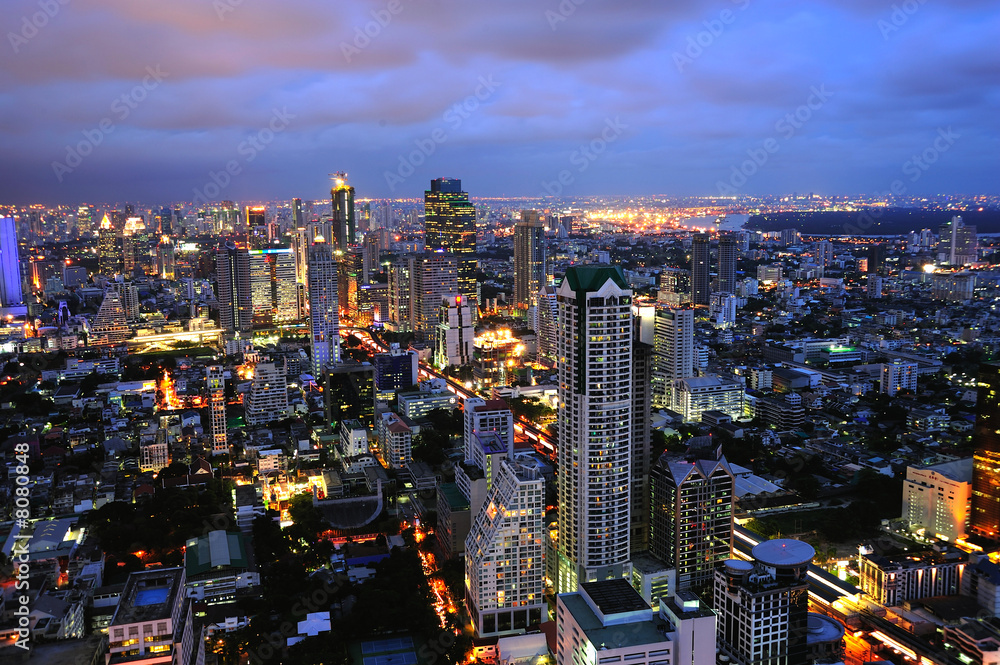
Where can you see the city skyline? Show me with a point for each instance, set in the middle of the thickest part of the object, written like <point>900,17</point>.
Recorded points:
<point>625,99</point>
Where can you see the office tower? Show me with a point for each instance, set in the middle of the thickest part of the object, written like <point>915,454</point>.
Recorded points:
<point>343,225</point>
<point>109,249</point>
<point>216,383</point>
<point>728,253</point>
<point>11,292</point>
<point>691,523</point>
<point>154,621</point>
<point>300,245</point>
<point>594,425</point>
<point>763,606</point>
<point>953,286</point>
<point>400,288</point>
<point>372,253</point>
<point>394,371</point>
<point>350,275</point>
<point>823,253</point>
<point>700,260</point>
<point>164,222</point>
<point>673,351</point>
<point>546,326</point>
<point>135,246</point>
<point>642,393</point>
<point>984,519</point>
<point>109,325</point>
<point>232,266</point>
<point>936,499</point>
<point>529,259</point>
<point>722,309</point>
<point>959,243</point>
<point>487,420</point>
<point>790,237</point>
<point>165,263</point>
<point>297,221</point>
<point>433,276</point>
<point>455,332</point>
<point>324,317</point>
<point>505,557</point>
<point>876,259</point>
<point>255,216</point>
<point>450,225</point>
<point>273,294</point>
<point>84,220</point>
<point>267,400</point>
<point>350,393</point>
<point>693,396</point>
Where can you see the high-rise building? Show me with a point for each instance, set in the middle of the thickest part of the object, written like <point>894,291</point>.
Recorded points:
<point>324,317</point>
<point>216,383</point>
<point>401,310</point>
<point>694,395</point>
<point>594,425</point>
<point>394,371</point>
<point>154,622</point>
<point>673,351</point>
<point>343,224</point>
<point>165,263</point>
<point>700,268</point>
<point>529,259</point>
<point>232,266</point>
<point>372,253</point>
<point>546,326</point>
<point>505,557</point>
<point>691,523</point>
<point>728,253</point>
<point>455,332</point>
<point>936,499</point>
<point>642,393</point>
<point>128,293</point>
<point>876,259</point>
<point>135,246</point>
<point>267,400</point>
<point>109,249</point>
<point>350,277</point>
<point>898,375</point>
<point>274,296</point>
<point>823,251</point>
<point>109,325</point>
<point>450,225</point>
<point>434,276</point>
<point>959,243</point>
<point>84,220</point>
<point>487,419</point>
<point>11,281</point>
<point>395,439</point>
<point>297,221</point>
<point>763,606</point>
<point>300,245</point>
<point>954,286</point>
<point>984,520</point>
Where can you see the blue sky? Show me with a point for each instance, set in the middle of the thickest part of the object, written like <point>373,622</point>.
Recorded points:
<point>111,100</point>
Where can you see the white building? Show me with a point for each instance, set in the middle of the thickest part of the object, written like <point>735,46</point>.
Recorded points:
<point>673,351</point>
<point>455,332</point>
<point>324,315</point>
<point>267,400</point>
<point>155,455</point>
<point>722,309</point>
<point>609,622</point>
<point>395,438</point>
<point>936,499</point>
<point>505,557</point>
<point>898,375</point>
<point>594,424</point>
<point>216,382</point>
<point>694,395</point>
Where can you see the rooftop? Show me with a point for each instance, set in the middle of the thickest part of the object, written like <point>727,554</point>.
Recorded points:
<point>593,277</point>
<point>611,637</point>
<point>218,549</point>
<point>783,552</point>
<point>149,596</point>
<point>614,596</point>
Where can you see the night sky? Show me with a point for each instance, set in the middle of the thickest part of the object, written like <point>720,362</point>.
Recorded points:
<point>155,97</point>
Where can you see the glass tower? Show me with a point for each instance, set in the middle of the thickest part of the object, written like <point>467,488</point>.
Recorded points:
<point>450,225</point>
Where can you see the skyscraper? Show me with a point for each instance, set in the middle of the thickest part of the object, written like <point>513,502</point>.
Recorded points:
<point>691,524</point>
<point>11,292</point>
<point>109,325</point>
<point>450,225</point>
<point>642,373</point>
<point>324,317</point>
<point>343,224</point>
<point>109,249</point>
<point>673,351</point>
<point>296,213</point>
<point>700,268</point>
<point>267,400</point>
<point>216,382</point>
<point>594,425</point>
<point>728,253</point>
<point>984,519</point>
<point>274,296</point>
<point>959,243</point>
<point>529,259</point>
<point>165,263</point>
<point>455,332</point>
<point>232,266</point>
<point>505,557</point>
